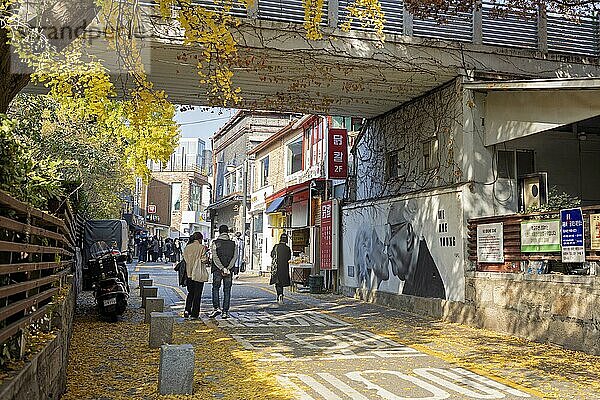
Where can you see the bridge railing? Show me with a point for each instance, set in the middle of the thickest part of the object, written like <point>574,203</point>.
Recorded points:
<point>535,30</point>
<point>36,255</point>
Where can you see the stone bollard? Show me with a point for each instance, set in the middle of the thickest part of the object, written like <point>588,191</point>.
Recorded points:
<point>176,370</point>
<point>148,291</point>
<point>153,304</point>
<point>143,276</point>
<point>144,283</point>
<point>161,329</point>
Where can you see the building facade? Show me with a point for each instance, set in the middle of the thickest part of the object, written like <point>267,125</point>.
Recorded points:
<point>289,182</point>
<point>431,171</point>
<point>188,202</point>
<point>231,144</point>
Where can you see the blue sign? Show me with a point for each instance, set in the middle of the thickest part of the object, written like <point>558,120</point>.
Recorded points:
<point>572,235</point>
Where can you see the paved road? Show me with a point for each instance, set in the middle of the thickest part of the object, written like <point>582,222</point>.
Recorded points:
<point>320,352</point>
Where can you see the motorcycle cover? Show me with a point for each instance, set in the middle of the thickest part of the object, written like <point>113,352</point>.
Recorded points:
<point>109,231</point>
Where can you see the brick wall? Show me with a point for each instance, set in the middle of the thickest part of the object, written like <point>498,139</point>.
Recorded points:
<point>277,166</point>
<point>185,178</point>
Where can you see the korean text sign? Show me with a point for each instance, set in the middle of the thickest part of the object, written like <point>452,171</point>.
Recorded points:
<point>326,235</point>
<point>337,154</point>
<point>572,235</point>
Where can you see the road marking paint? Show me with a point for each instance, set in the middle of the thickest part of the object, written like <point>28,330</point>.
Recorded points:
<point>347,390</point>
<point>423,349</point>
<point>490,382</point>
<point>432,375</point>
<point>436,393</point>
<point>478,371</point>
<point>289,384</point>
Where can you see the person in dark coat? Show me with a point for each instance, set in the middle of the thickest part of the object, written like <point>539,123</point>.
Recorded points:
<point>280,276</point>
<point>143,250</point>
<point>224,253</point>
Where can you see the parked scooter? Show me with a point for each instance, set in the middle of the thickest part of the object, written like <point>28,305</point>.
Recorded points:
<point>109,279</point>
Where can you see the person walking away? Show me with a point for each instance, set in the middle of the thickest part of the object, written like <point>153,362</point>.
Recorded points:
<point>169,250</point>
<point>161,249</point>
<point>280,270</point>
<point>155,246</point>
<point>196,259</point>
<point>143,250</point>
<point>224,255</point>
<point>239,242</point>
<point>176,250</point>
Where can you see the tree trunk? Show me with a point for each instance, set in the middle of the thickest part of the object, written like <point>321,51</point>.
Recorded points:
<point>10,83</point>
<point>63,23</point>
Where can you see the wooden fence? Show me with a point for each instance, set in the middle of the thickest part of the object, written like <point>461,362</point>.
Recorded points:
<point>513,257</point>
<point>36,254</point>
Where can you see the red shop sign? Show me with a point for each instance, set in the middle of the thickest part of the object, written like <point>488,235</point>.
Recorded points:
<point>326,235</point>
<point>337,154</point>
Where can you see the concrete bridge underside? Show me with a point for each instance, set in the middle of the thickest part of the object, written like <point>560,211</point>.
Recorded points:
<point>347,73</point>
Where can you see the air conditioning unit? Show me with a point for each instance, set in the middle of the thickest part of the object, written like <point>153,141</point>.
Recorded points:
<point>533,189</point>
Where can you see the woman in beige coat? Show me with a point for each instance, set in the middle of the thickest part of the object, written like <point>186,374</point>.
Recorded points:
<point>196,260</point>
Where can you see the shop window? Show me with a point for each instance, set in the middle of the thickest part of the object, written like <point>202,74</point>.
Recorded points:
<point>176,196</point>
<point>264,171</point>
<point>430,155</point>
<point>294,156</point>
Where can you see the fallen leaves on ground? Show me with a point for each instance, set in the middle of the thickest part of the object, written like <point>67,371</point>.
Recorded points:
<point>112,361</point>
<point>548,368</point>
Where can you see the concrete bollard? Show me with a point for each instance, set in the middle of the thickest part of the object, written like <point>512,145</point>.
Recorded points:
<point>144,283</point>
<point>161,329</point>
<point>148,291</point>
<point>153,304</point>
<point>176,370</point>
<point>143,276</point>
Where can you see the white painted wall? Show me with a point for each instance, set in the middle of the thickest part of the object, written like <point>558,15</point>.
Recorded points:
<point>514,114</point>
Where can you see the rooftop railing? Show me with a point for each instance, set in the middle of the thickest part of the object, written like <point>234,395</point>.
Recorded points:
<point>535,30</point>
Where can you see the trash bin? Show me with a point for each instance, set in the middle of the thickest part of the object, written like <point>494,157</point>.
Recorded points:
<point>315,283</point>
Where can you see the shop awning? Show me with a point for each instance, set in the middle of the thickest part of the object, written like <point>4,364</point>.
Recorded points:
<point>275,205</point>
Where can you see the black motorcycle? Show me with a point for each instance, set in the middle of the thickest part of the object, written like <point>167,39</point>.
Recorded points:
<point>108,274</point>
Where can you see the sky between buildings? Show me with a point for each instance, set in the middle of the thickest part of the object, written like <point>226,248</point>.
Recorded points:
<point>203,123</point>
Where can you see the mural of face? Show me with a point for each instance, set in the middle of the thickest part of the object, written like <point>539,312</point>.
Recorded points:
<point>402,244</point>
<point>369,256</point>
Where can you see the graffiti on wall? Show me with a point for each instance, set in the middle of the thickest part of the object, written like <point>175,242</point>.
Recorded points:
<point>405,247</point>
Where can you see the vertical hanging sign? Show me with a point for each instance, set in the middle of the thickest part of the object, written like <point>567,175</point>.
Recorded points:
<point>337,154</point>
<point>330,235</point>
<point>326,234</point>
<point>572,236</point>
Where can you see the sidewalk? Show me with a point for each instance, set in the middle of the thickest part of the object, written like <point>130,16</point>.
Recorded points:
<point>112,361</point>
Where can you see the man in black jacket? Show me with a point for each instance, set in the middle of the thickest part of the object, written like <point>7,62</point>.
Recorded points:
<point>224,255</point>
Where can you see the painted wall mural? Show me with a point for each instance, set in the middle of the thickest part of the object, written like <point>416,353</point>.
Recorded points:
<point>411,246</point>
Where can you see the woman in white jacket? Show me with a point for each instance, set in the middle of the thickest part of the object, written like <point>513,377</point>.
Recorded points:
<point>196,260</point>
